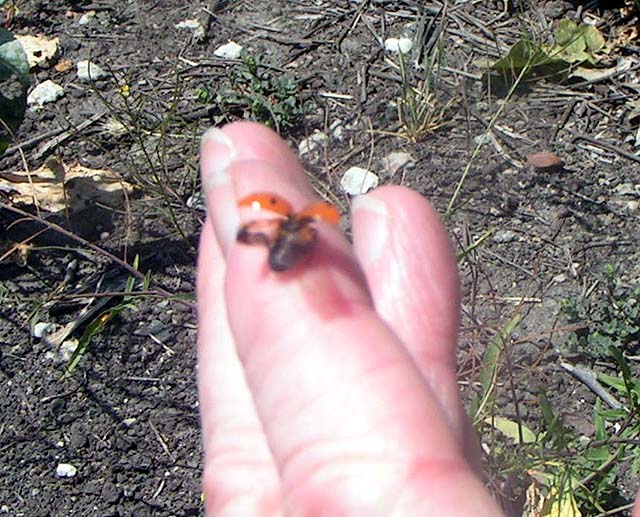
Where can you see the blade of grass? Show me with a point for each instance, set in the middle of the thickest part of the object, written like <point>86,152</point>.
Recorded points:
<point>491,365</point>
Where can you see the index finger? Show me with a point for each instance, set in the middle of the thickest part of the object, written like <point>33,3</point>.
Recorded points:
<point>348,417</point>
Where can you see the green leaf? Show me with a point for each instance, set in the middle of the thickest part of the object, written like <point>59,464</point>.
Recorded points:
<point>555,429</point>
<point>617,383</point>
<point>601,453</point>
<point>14,83</point>
<point>594,39</point>
<point>565,31</point>
<point>524,54</point>
<point>613,415</point>
<point>511,429</point>
<point>573,44</point>
<point>576,44</point>
<point>490,364</point>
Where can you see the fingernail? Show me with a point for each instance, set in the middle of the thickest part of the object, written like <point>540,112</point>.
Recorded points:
<point>216,154</point>
<point>372,215</point>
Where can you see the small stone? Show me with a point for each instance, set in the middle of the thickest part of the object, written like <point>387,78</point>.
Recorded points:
<point>337,129</point>
<point>194,25</point>
<point>44,93</point>
<point>88,71</point>
<point>86,18</point>
<point>544,161</point>
<point>482,139</point>
<point>128,422</point>
<point>398,45</point>
<point>191,23</point>
<point>229,50</point>
<point>393,162</point>
<point>111,492</point>
<point>67,348</point>
<point>40,329</point>
<point>358,181</point>
<point>503,236</point>
<point>625,189</point>
<point>632,206</point>
<point>558,279</point>
<point>197,201</point>
<point>66,470</point>
<point>313,142</point>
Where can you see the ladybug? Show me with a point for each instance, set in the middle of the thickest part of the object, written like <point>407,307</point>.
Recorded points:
<point>288,237</point>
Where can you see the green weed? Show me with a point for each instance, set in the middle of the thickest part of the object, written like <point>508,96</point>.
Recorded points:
<point>421,109</point>
<point>98,324</point>
<point>255,92</point>
<point>572,45</point>
<point>566,473</point>
<point>154,132</point>
<point>483,404</point>
<point>609,314</point>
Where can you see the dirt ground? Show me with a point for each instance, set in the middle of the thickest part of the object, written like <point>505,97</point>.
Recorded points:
<point>127,417</point>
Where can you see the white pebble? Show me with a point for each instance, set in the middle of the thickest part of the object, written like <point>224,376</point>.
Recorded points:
<point>229,50</point>
<point>558,279</point>
<point>86,18</point>
<point>503,236</point>
<point>45,92</point>
<point>40,329</point>
<point>398,45</point>
<point>67,348</point>
<point>197,201</point>
<point>632,206</point>
<point>393,162</point>
<point>66,470</point>
<point>88,71</point>
<point>482,139</point>
<point>128,422</point>
<point>337,129</point>
<point>310,144</point>
<point>191,23</point>
<point>358,181</point>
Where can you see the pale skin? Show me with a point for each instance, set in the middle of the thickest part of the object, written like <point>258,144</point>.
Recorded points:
<point>329,390</point>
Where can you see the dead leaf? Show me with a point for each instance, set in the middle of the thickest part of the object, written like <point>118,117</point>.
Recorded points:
<point>17,252</point>
<point>533,501</point>
<point>82,187</point>
<point>545,498</point>
<point>39,50</point>
<point>602,74</point>
<point>543,161</point>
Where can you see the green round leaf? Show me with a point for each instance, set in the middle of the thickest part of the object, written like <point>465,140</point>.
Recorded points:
<point>593,37</point>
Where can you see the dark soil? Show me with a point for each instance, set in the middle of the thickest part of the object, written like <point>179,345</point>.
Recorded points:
<point>127,416</point>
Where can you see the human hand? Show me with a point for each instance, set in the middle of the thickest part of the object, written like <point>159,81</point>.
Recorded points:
<point>329,389</point>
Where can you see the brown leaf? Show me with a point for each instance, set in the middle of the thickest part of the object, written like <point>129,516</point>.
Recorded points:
<point>82,187</point>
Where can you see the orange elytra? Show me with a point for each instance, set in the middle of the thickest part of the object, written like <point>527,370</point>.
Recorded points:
<point>289,237</point>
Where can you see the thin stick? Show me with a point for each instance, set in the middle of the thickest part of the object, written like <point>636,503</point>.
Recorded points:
<point>97,249</point>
